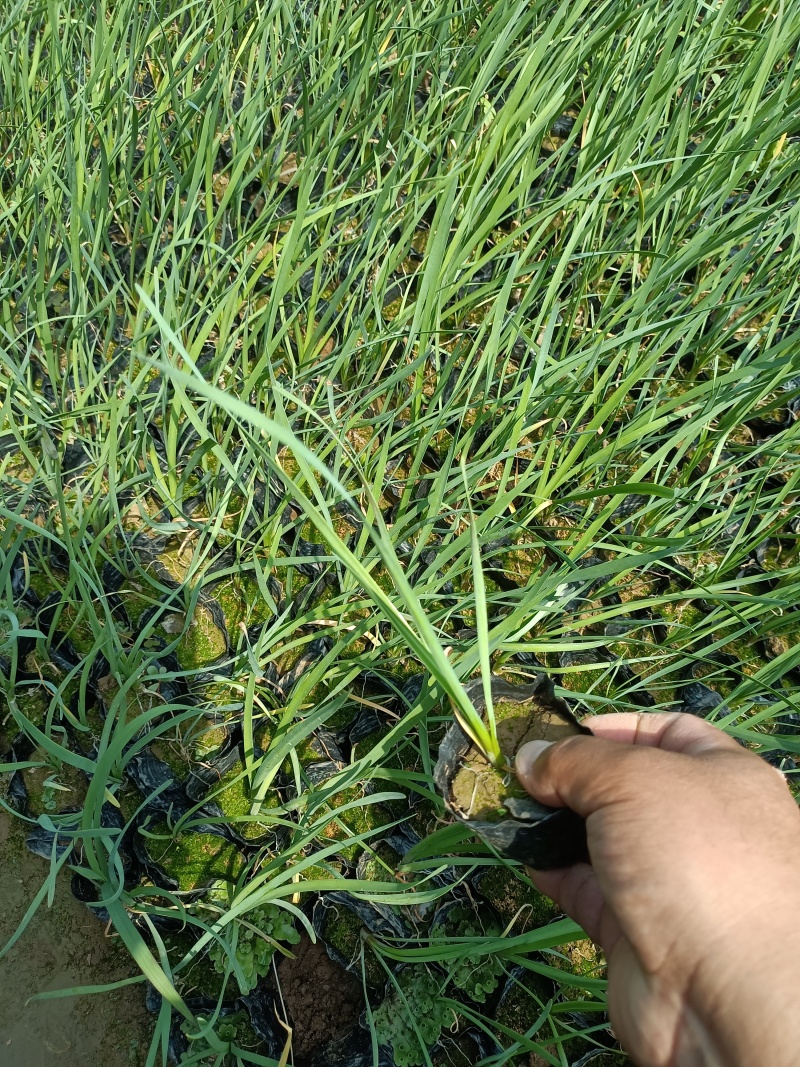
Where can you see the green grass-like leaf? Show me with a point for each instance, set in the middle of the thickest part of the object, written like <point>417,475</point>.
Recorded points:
<point>461,337</point>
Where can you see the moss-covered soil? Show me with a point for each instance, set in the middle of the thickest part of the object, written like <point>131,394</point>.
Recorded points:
<point>480,790</point>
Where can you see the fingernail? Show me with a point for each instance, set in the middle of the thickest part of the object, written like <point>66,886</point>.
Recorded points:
<point>527,756</point>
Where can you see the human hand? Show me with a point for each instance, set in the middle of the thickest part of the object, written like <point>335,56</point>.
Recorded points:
<point>693,890</point>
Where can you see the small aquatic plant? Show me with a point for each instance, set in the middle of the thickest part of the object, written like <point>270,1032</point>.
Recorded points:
<point>476,975</point>
<point>411,1014</point>
<point>254,941</point>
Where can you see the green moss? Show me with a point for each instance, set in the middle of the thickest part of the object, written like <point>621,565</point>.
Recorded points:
<point>129,799</point>
<point>342,527</point>
<point>202,643</point>
<point>402,666</point>
<point>425,818</point>
<point>233,796</point>
<point>481,791</point>
<point>580,958</point>
<point>194,860</point>
<point>40,583</point>
<point>586,682</point>
<point>31,703</point>
<point>176,561</point>
<point>367,744</point>
<point>75,624</point>
<point>134,601</point>
<point>305,752</point>
<point>383,579</point>
<point>24,617</point>
<point>782,555</point>
<point>208,741</point>
<point>353,822</point>
<point>139,698</point>
<point>241,602</point>
<point>264,730</point>
<point>343,717</point>
<point>682,613</point>
<point>330,870</point>
<point>520,563</point>
<point>221,697</point>
<point>172,755</point>
<point>520,1009</point>
<point>16,467</point>
<point>380,865</point>
<point>515,900</point>
<point>743,650</point>
<point>522,1003</point>
<point>343,931</point>
<point>53,787</point>
<point>705,567</point>
<point>200,977</point>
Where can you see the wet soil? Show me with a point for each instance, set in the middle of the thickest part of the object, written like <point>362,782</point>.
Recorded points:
<point>322,999</point>
<point>63,946</point>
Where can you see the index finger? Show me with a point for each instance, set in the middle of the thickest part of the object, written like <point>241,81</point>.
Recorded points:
<point>673,731</point>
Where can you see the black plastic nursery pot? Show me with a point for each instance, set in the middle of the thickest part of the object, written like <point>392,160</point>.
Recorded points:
<point>516,825</point>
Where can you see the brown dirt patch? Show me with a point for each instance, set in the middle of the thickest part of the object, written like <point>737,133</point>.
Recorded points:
<point>64,946</point>
<point>323,1000</point>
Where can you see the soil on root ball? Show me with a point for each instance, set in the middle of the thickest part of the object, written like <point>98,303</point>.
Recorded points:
<point>323,1001</point>
<point>480,790</point>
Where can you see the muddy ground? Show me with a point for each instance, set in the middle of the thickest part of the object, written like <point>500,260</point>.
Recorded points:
<point>63,946</point>
<point>323,1000</point>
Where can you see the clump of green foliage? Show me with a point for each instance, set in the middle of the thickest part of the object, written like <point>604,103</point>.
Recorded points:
<point>421,1001</point>
<point>477,975</point>
<point>254,941</point>
<point>421,255</point>
<point>202,1053</point>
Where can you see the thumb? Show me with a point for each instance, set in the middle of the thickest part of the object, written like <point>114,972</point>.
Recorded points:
<point>527,755</point>
<point>588,772</point>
